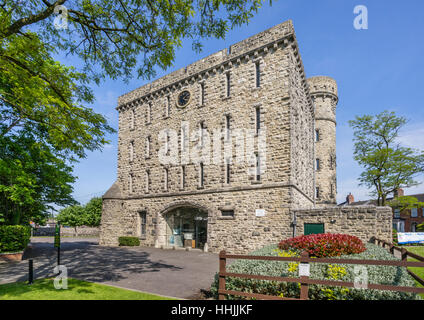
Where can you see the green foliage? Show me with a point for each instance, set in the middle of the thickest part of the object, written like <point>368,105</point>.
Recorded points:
<point>50,101</point>
<point>387,165</point>
<point>14,238</point>
<point>77,215</point>
<point>123,36</point>
<point>31,178</point>
<point>376,274</point>
<point>72,216</point>
<point>129,241</point>
<point>395,237</point>
<point>420,227</point>
<point>93,212</point>
<point>405,203</point>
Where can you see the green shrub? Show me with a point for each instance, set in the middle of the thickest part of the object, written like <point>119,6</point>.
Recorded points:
<point>388,275</point>
<point>129,241</point>
<point>14,238</point>
<point>395,237</point>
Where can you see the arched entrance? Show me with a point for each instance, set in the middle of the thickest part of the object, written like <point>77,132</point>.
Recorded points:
<point>186,227</point>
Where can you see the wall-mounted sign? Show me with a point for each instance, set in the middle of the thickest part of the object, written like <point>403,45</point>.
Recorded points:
<point>260,212</point>
<point>410,237</point>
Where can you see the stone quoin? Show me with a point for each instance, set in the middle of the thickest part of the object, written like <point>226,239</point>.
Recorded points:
<point>275,157</point>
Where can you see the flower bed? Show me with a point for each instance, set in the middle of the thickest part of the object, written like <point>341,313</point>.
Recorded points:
<point>324,245</point>
<point>388,275</point>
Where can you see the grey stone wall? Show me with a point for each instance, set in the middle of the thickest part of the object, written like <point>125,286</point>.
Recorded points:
<point>364,222</point>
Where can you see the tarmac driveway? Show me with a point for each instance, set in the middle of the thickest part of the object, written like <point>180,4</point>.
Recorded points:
<point>167,272</point>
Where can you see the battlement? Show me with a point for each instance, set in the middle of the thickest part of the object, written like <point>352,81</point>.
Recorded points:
<point>321,84</point>
<point>234,52</point>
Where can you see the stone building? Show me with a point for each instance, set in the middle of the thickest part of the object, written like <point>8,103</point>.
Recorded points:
<point>220,154</point>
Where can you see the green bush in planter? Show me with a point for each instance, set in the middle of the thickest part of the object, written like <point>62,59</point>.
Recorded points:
<point>389,275</point>
<point>129,241</point>
<point>14,238</point>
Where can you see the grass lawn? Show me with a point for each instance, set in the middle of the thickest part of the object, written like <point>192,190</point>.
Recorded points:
<point>418,271</point>
<point>44,289</point>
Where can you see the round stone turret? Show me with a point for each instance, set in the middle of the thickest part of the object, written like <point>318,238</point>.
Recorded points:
<point>323,91</point>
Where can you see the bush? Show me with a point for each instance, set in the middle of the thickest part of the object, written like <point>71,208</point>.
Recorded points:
<point>14,238</point>
<point>395,237</point>
<point>388,275</point>
<point>324,245</point>
<point>129,241</point>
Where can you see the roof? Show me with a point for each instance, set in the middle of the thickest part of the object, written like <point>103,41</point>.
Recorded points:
<point>114,192</point>
<point>419,197</point>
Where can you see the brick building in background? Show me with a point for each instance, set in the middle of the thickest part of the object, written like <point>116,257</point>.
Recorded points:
<point>403,221</point>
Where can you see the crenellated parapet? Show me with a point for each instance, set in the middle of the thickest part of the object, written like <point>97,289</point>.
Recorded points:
<point>281,35</point>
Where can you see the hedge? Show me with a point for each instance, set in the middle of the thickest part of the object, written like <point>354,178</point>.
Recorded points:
<point>389,275</point>
<point>14,238</point>
<point>129,241</point>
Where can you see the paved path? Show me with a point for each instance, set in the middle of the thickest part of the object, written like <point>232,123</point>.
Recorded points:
<point>168,272</point>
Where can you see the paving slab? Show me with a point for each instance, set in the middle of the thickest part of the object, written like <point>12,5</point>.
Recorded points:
<point>167,272</point>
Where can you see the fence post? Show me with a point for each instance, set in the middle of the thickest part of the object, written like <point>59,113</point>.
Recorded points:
<point>222,269</point>
<point>404,254</point>
<point>304,287</point>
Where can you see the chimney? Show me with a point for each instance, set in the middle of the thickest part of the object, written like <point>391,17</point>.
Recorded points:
<point>399,193</point>
<point>350,199</point>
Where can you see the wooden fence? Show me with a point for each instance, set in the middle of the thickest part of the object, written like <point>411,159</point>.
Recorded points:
<point>404,255</point>
<point>305,281</point>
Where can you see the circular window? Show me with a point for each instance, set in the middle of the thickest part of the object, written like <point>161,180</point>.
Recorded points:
<point>183,98</point>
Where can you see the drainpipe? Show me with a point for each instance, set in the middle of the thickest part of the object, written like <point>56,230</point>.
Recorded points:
<point>294,223</point>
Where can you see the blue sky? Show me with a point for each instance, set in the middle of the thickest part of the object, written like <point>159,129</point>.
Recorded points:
<point>376,69</point>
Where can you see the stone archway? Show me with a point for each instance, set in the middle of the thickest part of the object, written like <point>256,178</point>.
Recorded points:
<point>185,225</point>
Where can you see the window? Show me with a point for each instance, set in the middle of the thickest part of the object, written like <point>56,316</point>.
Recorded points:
<point>317,137</point>
<point>132,119</point>
<point>184,139</point>
<point>165,179</point>
<point>168,106</point>
<point>414,227</point>
<point>201,131</point>
<point>143,220</point>
<point>227,127</point>
<point>131,151</point>
<point>317,164</point>
<point>148,140</point>
<point>202,94</point>
<point>227,213</point>
<point>317,194</point>
<point>397,213</point>
<point>228,171</point>
<point>414,213</point>
<point>183,173</point>
<point>130,183</point>
<point>258,119</point>
<point>147,182</point>
<point>228,84</point>
<point>258,167</point>
<point>258,74</point>
<point>201,175</point>
<point>149,113</point>
<point>167,144</point>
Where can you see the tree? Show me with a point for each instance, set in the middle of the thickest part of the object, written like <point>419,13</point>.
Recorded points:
<point>49,100</point>
<point>31,178</point>
<point>387,165</point>
<point>72,216</point>
<point>93,212</point>
<point>405,203</point>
